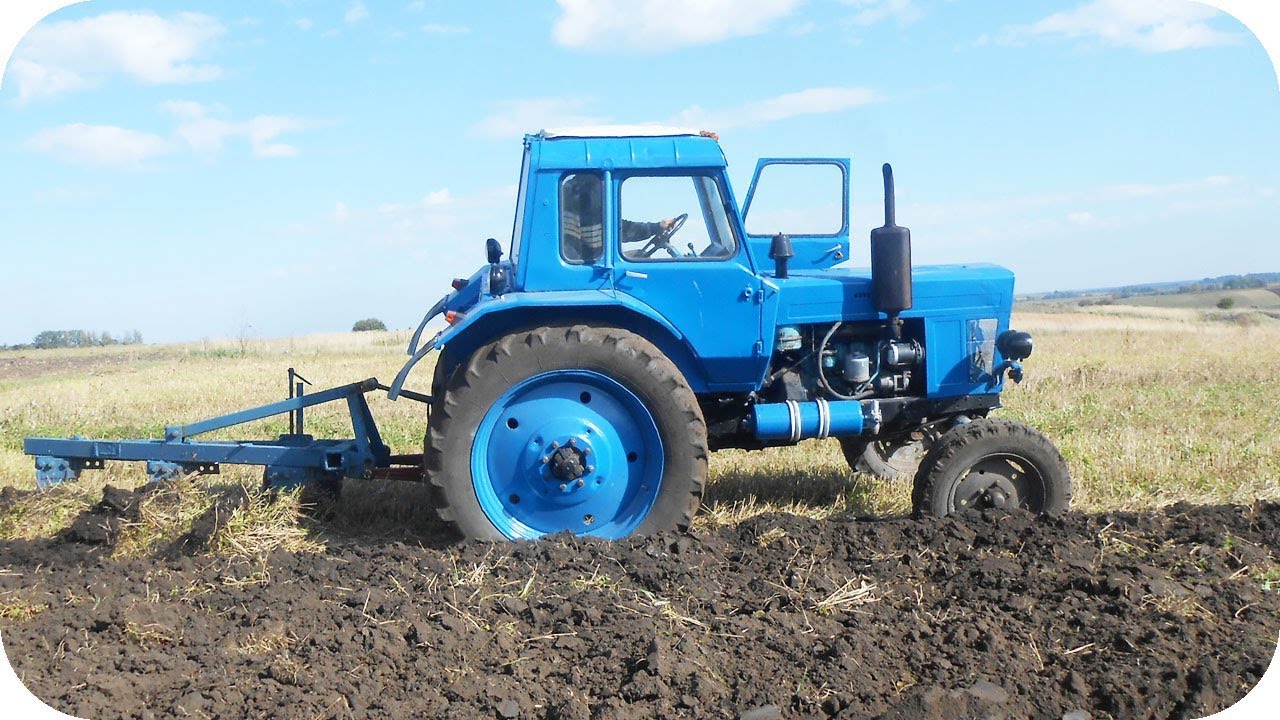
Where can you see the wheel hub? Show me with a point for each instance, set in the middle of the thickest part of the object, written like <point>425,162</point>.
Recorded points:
<point>568,463</point>
<point>999,481</point>
<point>997,498</point>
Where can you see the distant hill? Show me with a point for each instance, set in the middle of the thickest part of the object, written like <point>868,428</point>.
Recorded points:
<point>1171,294</point>
<point>1250,299</point>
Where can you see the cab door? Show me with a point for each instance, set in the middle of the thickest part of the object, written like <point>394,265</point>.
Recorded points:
<point>808,200</point>
<point>693,271</point>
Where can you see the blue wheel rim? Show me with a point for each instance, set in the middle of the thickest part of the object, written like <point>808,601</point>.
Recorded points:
<point>567,450</point>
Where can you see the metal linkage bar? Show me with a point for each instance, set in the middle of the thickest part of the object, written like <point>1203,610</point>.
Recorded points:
<point>290,459</point>
<point>182,432</point>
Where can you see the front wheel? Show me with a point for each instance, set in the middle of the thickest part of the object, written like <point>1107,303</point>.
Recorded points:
<point>990,463</point>
<point>587,430</point>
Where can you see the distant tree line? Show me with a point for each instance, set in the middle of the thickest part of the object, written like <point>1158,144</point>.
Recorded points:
<point>1233,282</point>
<point>1213,284</point>
<point>47,339</point>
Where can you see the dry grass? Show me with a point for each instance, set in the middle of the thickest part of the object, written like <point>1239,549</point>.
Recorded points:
<point>1149,412</point>
<point>13,609</point>
<point>165,515</point>
<point>263,523</point>
<point>855,592</point>
<point>149,634</point>
<point>1148,405</point>
<point>44,514</point>
<point>267,641</point>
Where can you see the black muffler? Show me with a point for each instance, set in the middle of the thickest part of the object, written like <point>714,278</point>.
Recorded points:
<point>890,260</point>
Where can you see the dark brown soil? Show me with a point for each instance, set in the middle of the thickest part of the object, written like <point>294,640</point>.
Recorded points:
<point>1169,614</point>
<point>26,364</point>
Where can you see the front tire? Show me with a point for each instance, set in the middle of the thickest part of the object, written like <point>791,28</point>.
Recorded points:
<point>581,429</point>
<point>992,463</point>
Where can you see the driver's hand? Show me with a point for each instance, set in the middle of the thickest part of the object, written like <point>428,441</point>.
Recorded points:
<point>666,224</point>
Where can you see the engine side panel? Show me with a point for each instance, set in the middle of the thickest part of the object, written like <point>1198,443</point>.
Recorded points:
<point>960,309</point>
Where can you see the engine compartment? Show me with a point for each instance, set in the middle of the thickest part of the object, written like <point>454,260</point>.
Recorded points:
<point>846,361</point>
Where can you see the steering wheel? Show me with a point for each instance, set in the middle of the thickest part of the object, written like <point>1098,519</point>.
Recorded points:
<point>663,238</point>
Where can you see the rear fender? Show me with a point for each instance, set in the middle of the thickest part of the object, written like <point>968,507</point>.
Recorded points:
<point>516,312</point>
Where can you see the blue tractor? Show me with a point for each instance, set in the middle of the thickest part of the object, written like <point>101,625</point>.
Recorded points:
<point>582,381</point>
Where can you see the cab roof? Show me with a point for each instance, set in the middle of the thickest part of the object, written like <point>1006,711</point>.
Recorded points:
<point>621,147</point>
<point>617,131</point>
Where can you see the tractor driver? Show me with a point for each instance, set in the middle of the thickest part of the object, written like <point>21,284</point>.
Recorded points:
<point>582,218</point>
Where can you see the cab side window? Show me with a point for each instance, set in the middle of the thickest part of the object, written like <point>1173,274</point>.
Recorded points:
<point>582,218</point>
<point>674,218</point>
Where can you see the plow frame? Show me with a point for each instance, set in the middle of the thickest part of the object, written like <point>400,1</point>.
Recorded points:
<point>291,459</point>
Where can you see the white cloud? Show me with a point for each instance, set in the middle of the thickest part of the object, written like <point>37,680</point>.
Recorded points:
<point>441,221</point>
<point>206,133</point>
<point>812,101</point>
<point>1105,209</point>
<point>1095,199</point>
<point>441,29</point>
<point>658,25</point>
<point>60,57</point>
<point>304,24</point>
<point>356,12</point>
<point>1153,26</point>
<point>438,198</point>
<point>873,12</point>
<point>804,28</point>
<point>513,118</point>
<point>104,145</point>
<point>201,129</point>
<point>1127,191</point>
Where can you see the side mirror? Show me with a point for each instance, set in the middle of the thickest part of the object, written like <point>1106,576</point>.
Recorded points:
<point>493,251</point>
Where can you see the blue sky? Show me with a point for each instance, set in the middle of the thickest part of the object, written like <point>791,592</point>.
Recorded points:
<point>203,170</point>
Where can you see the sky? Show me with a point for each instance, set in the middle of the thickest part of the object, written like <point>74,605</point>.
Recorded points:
<point>282,167</point>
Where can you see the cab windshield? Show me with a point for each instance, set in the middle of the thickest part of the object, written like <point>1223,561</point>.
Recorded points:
<point>517,224</point>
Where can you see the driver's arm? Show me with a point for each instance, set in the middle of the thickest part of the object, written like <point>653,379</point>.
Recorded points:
<point>636,231</point>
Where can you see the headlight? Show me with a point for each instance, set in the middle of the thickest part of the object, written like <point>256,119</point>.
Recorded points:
<point>1014,345</point>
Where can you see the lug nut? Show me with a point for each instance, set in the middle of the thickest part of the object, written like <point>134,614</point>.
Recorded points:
<point>581,482</point>
<point>573,442</point>
<point>546,459</point>
<point>555,444</point>
<point>591,468</point>
<point>563,487</point>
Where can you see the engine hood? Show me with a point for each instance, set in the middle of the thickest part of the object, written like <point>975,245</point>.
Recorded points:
<point>845,293</point>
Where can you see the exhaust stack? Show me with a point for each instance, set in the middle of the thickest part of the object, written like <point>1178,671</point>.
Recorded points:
<point>890,260</point>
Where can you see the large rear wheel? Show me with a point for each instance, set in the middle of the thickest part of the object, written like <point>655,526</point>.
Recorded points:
<point>990,463</point>
<point>587,430</point>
